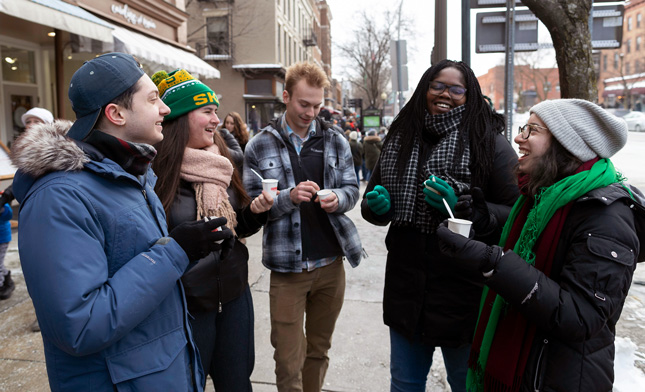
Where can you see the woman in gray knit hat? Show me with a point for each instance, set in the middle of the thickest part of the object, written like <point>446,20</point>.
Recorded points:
<point>556,285</point>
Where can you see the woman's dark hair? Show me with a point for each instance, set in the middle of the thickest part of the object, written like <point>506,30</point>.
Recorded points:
<point>479,121</point>
<point>556,164</point>
<point>170,155</point>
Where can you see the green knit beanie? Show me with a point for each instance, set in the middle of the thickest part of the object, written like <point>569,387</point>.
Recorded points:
<point>182,92</point>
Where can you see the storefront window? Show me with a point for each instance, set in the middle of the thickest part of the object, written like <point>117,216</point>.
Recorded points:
<point>18,65</point>
<point>258,114</point>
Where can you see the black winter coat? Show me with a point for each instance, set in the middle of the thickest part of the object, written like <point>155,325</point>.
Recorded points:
<point>424,293</point>
<point>213,282</point>
<point>576,309</point>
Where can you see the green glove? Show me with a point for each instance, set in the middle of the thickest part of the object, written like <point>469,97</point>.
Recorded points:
<point>445,192</point>
<point>378,200</point>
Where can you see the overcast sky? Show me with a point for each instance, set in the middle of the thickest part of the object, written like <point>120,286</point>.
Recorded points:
<point>421,12</point>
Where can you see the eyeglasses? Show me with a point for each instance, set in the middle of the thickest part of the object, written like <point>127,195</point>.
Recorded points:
<point>525,131</point>
<point>456,92</point>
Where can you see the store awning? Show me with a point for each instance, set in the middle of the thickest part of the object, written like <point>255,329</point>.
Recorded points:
<point>59,15</point>
<point>159,55</point>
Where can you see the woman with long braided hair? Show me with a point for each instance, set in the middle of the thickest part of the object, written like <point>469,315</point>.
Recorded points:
<point>446,142</point>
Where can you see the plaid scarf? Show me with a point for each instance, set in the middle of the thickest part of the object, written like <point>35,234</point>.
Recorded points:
<point>134,158</point>
<point>503,337</point>
<point>406,189</point>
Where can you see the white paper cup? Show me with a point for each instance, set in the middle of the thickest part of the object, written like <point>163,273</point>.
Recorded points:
<point>323,194</point>
<point>459,226</point>
<point>271,186</point>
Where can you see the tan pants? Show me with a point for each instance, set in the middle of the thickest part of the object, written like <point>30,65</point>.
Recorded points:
<point>301,359</point>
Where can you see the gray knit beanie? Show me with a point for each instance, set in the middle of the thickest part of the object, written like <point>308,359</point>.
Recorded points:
<point>585,129</point>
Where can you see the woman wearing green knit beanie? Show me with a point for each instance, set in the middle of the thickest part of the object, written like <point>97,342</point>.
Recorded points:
<point>556,285</point>
<point>197,180</point>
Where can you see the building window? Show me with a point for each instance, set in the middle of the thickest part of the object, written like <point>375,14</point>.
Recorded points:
<point>638,20</point>
<point>604,62</point>
<point>279,46</point>
<point>629,46</point>
<point>616,57</point>
<point>629,24</point>
<point>217,35</point>
<point>637,66</point>
<point>627,70</point>
<point>638,43</point>
<point>18,65</point>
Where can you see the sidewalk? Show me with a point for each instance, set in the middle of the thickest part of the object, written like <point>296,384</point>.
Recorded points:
<point>359,357</point>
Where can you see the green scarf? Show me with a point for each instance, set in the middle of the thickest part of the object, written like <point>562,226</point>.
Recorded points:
<point>547,201</point>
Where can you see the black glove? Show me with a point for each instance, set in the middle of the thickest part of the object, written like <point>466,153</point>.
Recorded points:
<point>198,238</point>
<point>228,243</point>
<point>7,196</point>
<point>473,207</point>
<point>467,252</point>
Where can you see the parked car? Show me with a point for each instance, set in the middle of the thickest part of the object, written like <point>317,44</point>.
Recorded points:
<point>635,121</point>
<point>618,112</point>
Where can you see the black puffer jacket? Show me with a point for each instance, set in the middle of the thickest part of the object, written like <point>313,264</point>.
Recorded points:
<point>213,282</point>
<point>424,293</point>
<point>577,308</point>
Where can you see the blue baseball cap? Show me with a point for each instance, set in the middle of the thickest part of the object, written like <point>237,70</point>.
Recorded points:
<point>96,84</point>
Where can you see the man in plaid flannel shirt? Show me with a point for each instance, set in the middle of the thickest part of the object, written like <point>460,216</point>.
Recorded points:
<point>306,236</point>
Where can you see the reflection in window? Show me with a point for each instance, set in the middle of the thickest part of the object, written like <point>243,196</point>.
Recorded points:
<point>217,35</point>
<point>18,65</point>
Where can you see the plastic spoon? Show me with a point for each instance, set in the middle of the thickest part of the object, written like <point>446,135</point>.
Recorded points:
<point>257,174</point>
<point>448,208</point>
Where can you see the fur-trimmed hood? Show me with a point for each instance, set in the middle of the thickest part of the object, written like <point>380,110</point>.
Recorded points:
<point>45,148</point>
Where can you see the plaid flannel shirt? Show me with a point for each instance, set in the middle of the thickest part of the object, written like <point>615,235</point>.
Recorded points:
<point>267,154</point>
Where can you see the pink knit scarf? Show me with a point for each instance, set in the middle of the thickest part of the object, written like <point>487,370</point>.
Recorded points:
<point>210,173</point>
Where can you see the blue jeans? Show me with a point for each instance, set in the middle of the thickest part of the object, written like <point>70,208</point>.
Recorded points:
<point>357,169</point>
<point>410,363</point>
<point>226,344</point>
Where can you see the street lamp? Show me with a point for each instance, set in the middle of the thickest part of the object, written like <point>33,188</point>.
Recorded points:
<point>383,98</point>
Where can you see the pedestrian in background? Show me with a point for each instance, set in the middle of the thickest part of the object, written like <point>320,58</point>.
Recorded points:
<point>307,234</point>
<point>30,118</point>
<point>103,272</point>
<point>448,139</point>
<point>372,146</point>
<point>36,116</point>
<point>235,125</point>
<point>557,283</point>
<point>196,181</point>
<point>7,285</point>
<point>356,148</point>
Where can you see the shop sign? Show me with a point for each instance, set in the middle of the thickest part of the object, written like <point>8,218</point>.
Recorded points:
<point>132,17</point>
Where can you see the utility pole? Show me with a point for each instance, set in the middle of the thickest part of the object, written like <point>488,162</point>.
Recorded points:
<point>440,50</point>
<point>465,31</point>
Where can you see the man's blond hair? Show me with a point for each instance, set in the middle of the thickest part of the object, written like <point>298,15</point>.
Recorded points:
<point>313,74</point>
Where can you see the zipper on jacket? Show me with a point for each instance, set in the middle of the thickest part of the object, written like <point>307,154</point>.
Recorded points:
<point>539,366</point>
<point>219,295</point>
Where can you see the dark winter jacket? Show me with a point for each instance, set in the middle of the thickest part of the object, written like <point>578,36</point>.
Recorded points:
<point>213,282</point>
<point>234,148</point>
<point>101,271</point>
<point>372,146</point>
<point>357,152</point>
<point>424,293</point>
<point>577,307</point>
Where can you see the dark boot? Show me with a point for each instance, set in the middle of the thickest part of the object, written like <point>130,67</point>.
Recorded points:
<point>7,287</point>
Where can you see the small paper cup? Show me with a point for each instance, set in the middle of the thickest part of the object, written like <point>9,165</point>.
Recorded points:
<point>459,226</point>
<point>323,194</point>
<point>271,186</point>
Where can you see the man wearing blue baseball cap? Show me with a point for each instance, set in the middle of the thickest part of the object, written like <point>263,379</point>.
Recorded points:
<point>101,268</point>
